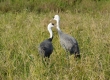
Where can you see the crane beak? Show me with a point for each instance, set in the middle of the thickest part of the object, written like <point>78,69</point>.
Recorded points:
<point>55,25</point>
<point>51,20</point>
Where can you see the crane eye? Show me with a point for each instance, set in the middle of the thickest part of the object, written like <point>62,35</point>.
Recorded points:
<point>52,24</point>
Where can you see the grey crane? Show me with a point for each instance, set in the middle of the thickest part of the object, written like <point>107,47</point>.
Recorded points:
<point>46,48</point>
<point>68,42</point>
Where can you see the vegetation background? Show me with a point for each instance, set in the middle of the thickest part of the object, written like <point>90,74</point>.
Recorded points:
<point>23,25</point>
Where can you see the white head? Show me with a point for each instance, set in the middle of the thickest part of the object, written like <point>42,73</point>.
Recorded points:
<point>50,25</point>
<point>56,17</point>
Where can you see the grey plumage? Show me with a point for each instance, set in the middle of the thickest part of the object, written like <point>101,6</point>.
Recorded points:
<point>46,48</point>
<point>68,42</point>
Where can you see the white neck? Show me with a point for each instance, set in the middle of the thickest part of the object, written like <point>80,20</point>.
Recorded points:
<point>58,25</point>
<point>50,31</point>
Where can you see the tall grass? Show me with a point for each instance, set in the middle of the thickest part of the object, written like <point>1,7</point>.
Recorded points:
<point>21,33</point>
<point>43,6</point>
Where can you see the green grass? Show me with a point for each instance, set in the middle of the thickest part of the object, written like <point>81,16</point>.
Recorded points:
<point>21,33</point>
<point>43,6</point>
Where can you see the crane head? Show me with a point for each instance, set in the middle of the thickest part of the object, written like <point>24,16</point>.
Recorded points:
<point>51,25</point>
<point>56,17</point>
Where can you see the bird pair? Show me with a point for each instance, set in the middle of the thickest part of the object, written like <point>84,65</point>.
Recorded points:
<point>67,42</point>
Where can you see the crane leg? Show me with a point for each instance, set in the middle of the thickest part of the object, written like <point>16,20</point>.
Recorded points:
<point>67,55</point>
<point>43,61</point>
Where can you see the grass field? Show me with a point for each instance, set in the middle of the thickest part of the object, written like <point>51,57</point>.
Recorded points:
<point>21,33</point>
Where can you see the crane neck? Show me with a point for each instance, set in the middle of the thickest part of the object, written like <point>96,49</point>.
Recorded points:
<point>58,25</point>
<point>50,39</point>
<point>50,31</point>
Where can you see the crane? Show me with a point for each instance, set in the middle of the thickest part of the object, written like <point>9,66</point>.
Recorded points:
<point>68,42</point>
